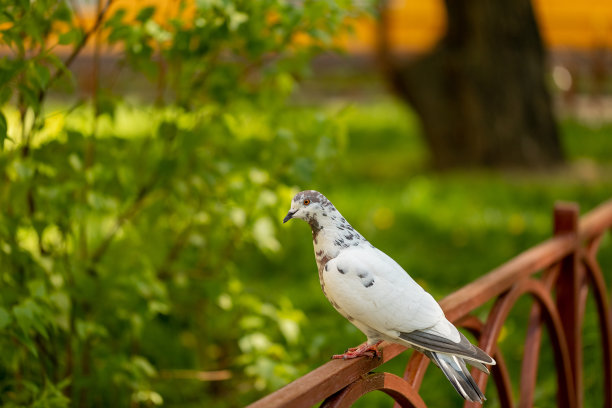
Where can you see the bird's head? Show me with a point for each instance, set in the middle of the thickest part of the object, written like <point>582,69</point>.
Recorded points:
<point>309,206</point>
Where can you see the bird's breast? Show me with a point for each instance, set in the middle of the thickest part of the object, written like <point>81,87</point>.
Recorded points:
<point>323,258</point>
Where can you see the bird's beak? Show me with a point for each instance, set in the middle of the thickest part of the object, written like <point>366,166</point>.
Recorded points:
<point>289,215</point>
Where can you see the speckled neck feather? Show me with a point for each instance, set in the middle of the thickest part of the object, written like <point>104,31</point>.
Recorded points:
<point>330,231</point>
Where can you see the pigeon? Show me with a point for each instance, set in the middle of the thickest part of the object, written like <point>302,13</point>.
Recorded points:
<point>375,294</point>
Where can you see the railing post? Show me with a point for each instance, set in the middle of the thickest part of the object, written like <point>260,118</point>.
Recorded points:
<point>568,289</point>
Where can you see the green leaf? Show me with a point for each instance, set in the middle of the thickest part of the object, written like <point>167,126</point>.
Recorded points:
<point>143,366</point>
<point>30,95</point>
<point>145,14</point>
<point>73,36</point>
<point>167,130</point>
<point>26,341</point>
<point>237,19</point>
<point>63,13</point>
<point>42,75</point>
<point>107,104</point>
<point>5,95</point>
<point>59,65</point>
<point>6,16</point>
<point>30,316</point>
<point>116,19</point>
<point>24,314</point>
<point>86,329</point>
<point>37,288</point>
<point>5,318</point>
<point>3,130</point>
<point>8,70</point>
<point>52,396</point>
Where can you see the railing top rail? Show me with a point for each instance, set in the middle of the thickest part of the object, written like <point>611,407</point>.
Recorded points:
<point>596,221</point>
<point>336,374</point>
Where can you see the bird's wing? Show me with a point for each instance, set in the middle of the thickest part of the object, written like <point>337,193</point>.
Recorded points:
<point>427,340</point>
<point>373,289</point>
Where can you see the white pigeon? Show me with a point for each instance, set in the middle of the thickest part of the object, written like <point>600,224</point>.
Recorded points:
<point>375,294</point>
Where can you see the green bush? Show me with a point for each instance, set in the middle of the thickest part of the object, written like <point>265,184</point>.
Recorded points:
<point>125,233</point>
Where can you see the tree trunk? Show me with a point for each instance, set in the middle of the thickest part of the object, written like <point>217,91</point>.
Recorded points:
<point>481,92</point>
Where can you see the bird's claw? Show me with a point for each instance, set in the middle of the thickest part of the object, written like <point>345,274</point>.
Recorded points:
<point>370,351</point>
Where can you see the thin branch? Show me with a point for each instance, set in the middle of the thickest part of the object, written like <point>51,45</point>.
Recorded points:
<point>77,50</point>
<point>122,219</point>
<point>57,74</point>
<point>174,251</point>
<point>89,33</point>
<point>95,74</point>
<point>219,375</point>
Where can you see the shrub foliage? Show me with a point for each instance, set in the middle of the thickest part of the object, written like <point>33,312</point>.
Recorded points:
<point>120,250</point>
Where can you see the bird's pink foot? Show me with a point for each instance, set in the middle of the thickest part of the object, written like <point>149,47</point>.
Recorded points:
<point>363,350</point>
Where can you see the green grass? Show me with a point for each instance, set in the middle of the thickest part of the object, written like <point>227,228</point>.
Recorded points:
<point>591,142</point>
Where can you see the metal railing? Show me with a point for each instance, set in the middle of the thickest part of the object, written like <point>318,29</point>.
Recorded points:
<point>569,272</point>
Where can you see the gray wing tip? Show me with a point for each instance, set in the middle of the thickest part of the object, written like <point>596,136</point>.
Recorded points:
<point>482,357</point>
<point>480,354</point>
<point>464,348</point>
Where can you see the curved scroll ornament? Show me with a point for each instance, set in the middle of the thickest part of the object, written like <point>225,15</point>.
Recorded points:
<point>598,286</point>
<point>499,372</point>
<point>489,334</point>
<point>498,315</point>
<point>402,392</point>
<point>418,363</point>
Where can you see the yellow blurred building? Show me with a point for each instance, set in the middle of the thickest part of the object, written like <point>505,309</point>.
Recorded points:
<point>415,26</point>
<point>565,24</point>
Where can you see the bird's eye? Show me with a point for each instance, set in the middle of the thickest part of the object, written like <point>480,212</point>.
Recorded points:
<point>306,201</point>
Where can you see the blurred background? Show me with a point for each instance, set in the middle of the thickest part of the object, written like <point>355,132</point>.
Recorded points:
<point>150,149</point>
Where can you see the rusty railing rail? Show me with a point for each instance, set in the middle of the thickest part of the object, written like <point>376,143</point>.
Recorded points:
<point>569,272</point>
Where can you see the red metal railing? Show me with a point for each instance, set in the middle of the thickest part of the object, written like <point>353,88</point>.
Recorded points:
<point>569,271</point>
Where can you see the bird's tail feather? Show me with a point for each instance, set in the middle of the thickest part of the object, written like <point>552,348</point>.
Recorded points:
<point>456,371</point>
<point>479,366</point>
